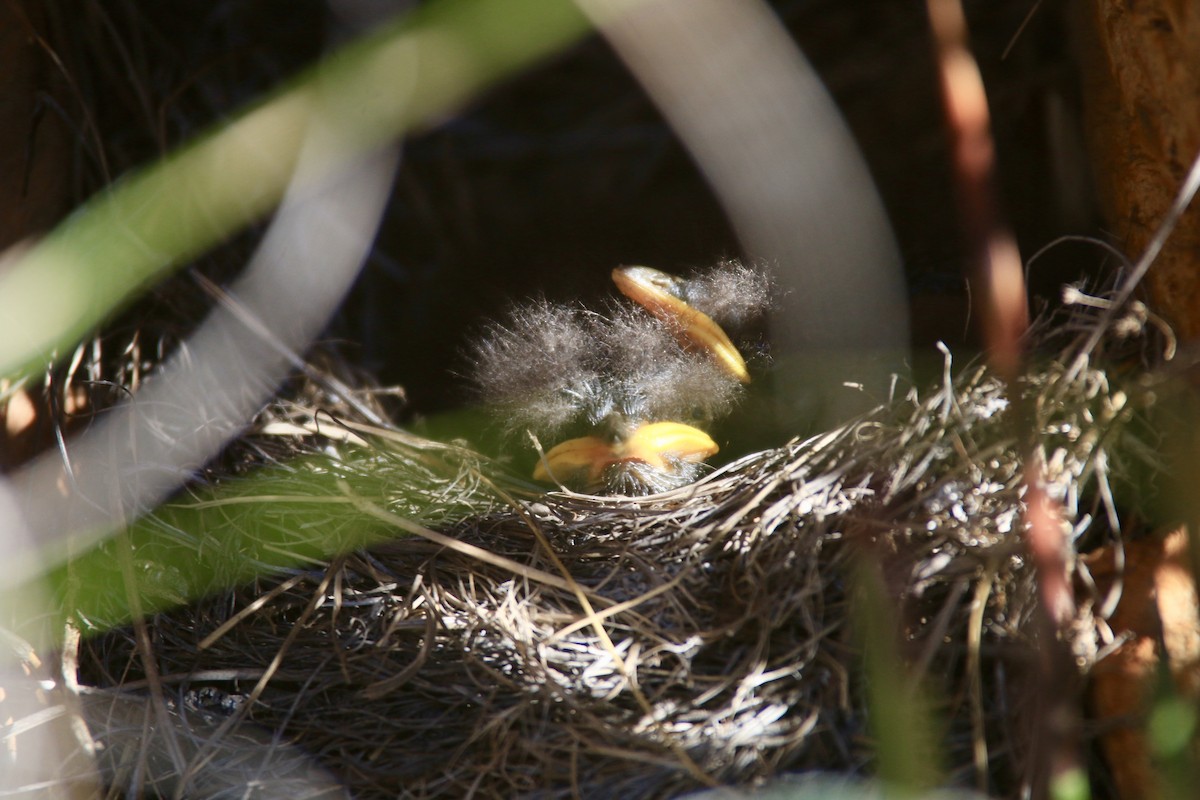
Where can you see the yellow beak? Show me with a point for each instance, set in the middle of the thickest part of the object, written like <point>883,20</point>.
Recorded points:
<point>660,445</point>
<point>652,289</point>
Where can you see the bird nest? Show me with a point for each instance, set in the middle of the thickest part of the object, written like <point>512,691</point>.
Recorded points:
<point>568,645</point>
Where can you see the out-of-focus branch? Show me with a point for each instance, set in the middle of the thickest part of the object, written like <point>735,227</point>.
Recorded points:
<point>998,275</point>
<point>1053,760</point>
<point>768,137</point>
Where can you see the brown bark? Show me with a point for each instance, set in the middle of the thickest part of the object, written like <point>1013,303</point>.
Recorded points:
<point>1141,67</point>
<point>1158,611</point>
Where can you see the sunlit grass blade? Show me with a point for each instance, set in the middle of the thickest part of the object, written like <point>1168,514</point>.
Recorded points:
<point>279,518</point>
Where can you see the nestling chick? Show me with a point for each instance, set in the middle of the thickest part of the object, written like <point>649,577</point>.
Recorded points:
<point>638,381</point>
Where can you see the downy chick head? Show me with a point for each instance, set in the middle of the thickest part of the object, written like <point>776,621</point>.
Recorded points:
<point>640,381</point>
<point>539,370</point>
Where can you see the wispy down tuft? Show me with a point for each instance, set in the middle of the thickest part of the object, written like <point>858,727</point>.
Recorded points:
<point>731,293</point>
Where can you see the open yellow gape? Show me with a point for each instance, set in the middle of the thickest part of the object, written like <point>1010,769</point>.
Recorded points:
<point>663,296</point>
<point>663,446</point>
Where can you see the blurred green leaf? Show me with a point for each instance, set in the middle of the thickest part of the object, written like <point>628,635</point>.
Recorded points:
<point>279,518</point>
<point>900,717</point>
<point>406,75</point>
<point>1172,726</point>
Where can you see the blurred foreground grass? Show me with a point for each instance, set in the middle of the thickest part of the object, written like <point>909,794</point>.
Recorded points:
<point>277,519</point>
<point>401,78</point>
<point>407,75</point>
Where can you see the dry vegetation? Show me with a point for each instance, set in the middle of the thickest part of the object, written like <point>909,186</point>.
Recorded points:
<point>506,642</point>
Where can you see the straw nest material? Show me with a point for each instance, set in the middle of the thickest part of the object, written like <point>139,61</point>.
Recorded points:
<point>607,646</point>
